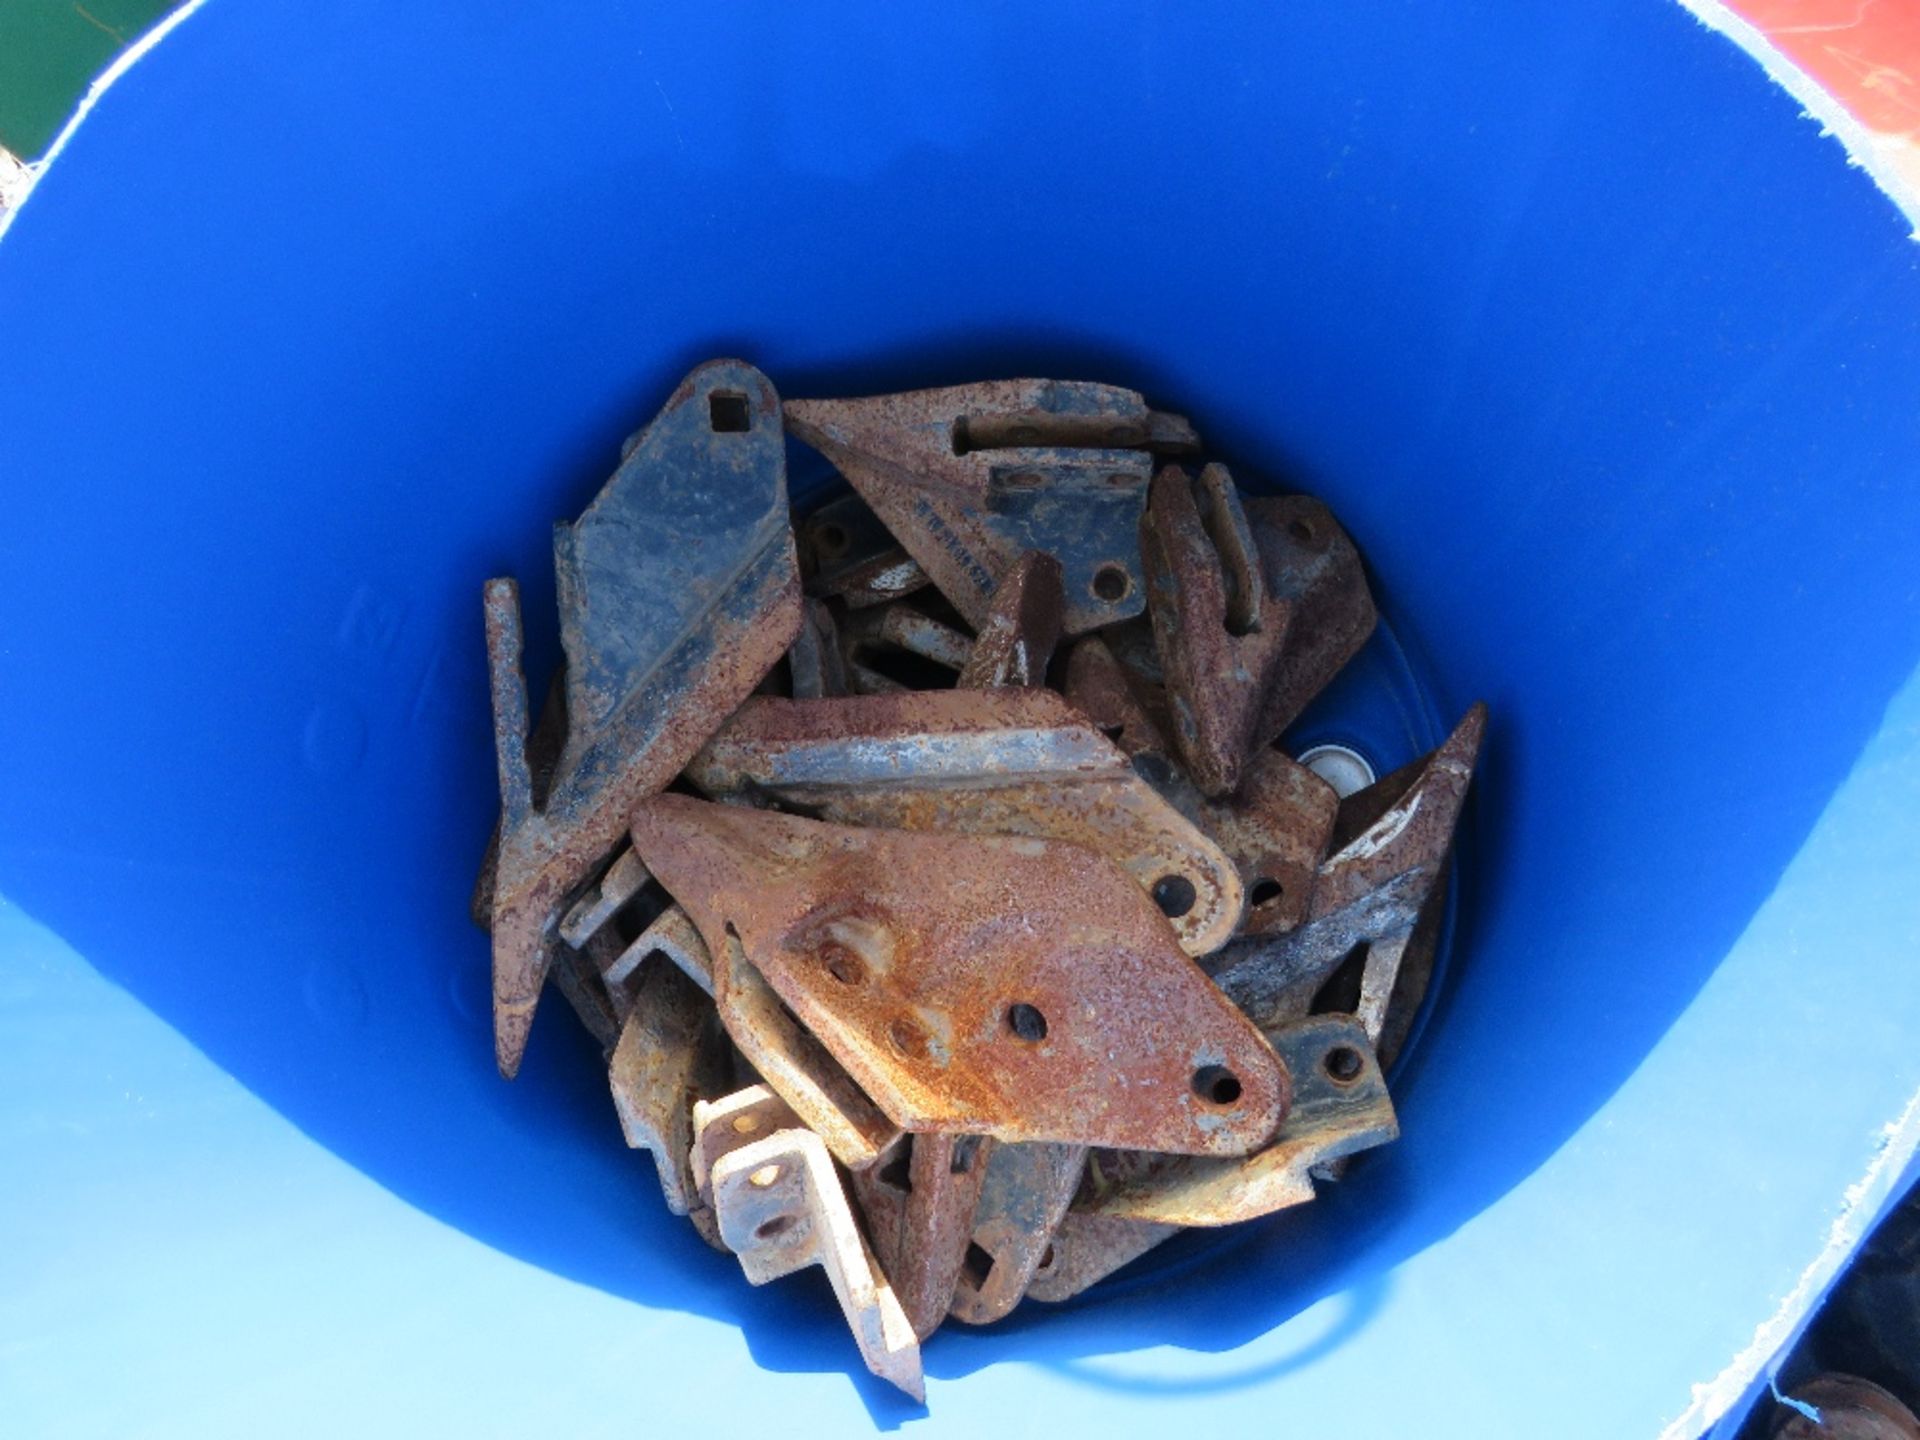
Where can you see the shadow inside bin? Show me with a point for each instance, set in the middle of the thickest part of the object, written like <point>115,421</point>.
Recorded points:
<point>1583,431</point>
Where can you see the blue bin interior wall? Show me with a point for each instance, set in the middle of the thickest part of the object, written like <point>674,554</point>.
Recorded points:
<point>1600,353</point>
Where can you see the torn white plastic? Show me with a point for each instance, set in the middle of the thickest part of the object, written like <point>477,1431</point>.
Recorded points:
<point>15,179</point>
<point>1893,161</point>
<point>1860,1207</point>
<point>19,190</point>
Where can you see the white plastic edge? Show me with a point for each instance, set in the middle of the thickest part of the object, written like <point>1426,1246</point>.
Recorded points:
<point>1867,149</point>
<point>1860,1209</point>
<point>27,177</point>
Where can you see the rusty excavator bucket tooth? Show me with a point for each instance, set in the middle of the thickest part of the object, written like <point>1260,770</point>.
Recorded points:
<point>678,591</point>
<point>1016,640</point>
<point>1011,761</point>
<point>1389,850</point>
<point>1310,564</point>
<point>1019,988</point>
<point>1218,632</point>
<point>1087,1248</point>
<point>816,667</point>
<point>970,477</point>
<point>919,1205</point>
<point>1022,1205</point>
<point>1340,1107</point>
<point>668,1057</point>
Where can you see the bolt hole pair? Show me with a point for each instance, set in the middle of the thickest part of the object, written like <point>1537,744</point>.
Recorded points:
<point>1215,1084</point>
<point>762,1179</point>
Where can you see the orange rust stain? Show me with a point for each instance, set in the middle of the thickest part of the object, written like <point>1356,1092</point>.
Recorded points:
<point>1864,53</point>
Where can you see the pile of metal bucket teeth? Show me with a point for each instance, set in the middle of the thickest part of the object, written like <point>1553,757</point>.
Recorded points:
<point>964,988</point>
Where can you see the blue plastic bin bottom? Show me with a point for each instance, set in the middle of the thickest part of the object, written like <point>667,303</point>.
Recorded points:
<point>1601,353</point>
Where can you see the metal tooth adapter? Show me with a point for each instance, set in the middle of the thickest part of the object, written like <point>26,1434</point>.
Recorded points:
<point>971,477</point>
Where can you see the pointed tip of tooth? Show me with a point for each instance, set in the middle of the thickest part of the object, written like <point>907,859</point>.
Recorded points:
<point>1468,733</point>
<point>906,1378</point>
<point>510,1024</point>
<point>507,1057</point>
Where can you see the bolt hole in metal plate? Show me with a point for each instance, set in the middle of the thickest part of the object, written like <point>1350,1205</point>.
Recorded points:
<point>1026,1022</point>
<point>1380,709</point>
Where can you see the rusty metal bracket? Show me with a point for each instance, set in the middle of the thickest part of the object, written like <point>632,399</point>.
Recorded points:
<point>1390,847</point>
<point>587,926</point>
<point>919,1205</point>
<point>576,976</point>
<point>781,1208</point>
<point>1022,1204</point>
<point>1024,989</point>
<point>1340,1107</point>
<point>672,934</point>
<point>972,476</point>
<point>1016,639</point>
<point>846,552</point>
<point>1087,1248</point>
<point>903,627</point>
<point>1309,563</point>
<point>1098,686</point>
<point>1275,828</point>
<point>1218,632</point>
<point>662,641</point>
<point>1010,761</point>
<point>668,1058</point>
<point>816,666</point>
<point>625,878</point>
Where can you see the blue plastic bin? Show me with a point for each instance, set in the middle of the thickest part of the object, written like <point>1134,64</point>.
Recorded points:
<point>1606,359</point>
